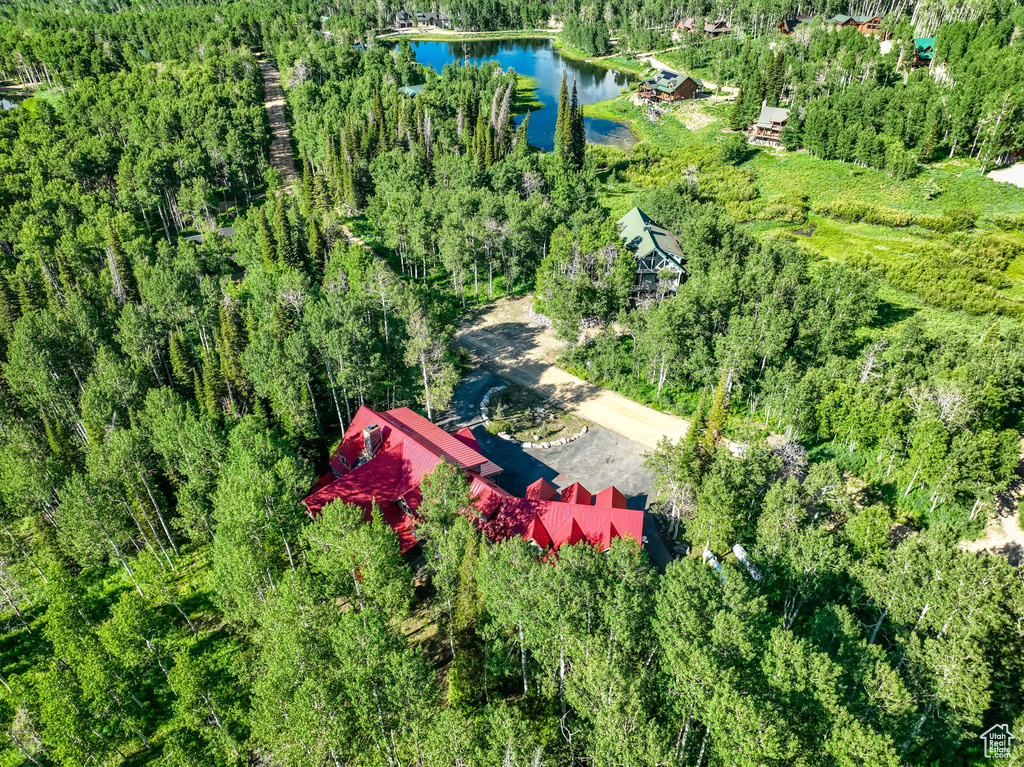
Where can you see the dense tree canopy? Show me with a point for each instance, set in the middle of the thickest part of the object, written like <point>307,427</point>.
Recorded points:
<point>169,391</point>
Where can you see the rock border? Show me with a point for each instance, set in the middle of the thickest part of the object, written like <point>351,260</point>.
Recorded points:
<point>485,415</point>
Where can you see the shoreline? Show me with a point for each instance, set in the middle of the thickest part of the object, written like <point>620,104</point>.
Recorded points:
<point>611,62</point>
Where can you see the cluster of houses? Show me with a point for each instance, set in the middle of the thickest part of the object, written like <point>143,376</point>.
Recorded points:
<point>866,25</point>
<point>693,25</point>
<point>408,19</point>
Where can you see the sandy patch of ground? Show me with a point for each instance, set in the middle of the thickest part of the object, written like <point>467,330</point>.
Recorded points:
<point>1003,534</point>
<point>692,115</point>
<point>1012,175</point>
<point>504,340</point>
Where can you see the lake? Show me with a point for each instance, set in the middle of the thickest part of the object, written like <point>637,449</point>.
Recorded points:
<point>537,58</point>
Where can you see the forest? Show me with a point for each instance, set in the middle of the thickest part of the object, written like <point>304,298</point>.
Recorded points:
<point>170,390</point>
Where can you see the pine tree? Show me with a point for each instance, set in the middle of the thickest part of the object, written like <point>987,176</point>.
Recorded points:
<point>315,247</point>
<point>563,119</point>
<point>577,132</point>
<point>183,369</point>
<point>717,417</point>
<point>267,245</point>
<point>306,188</point>
<point>736,121</point>
<point>231,342</point>
<point>298,250</point>
<point>281,321</point>
<point>9,311</point>
<point>465,679</point>
<point>283,235</point>
<point>214,389</point>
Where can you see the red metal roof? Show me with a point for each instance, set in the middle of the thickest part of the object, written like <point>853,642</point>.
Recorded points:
<point>611,497</point>
<point>465,436</point>
<point>487,495</point>
<point>411,447</point>
<point>541,490</point>
<point>435,439</point>
<point>576,493</point>
<point>537,533</point>
<point>323,482</point>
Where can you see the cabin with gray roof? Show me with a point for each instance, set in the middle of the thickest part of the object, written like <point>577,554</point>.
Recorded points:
<point>767,129</point>
<point>866,25</point>
<point>660,262</point>
<point>669,86</point>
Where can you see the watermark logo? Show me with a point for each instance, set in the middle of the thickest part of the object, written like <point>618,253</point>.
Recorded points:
<point>997,741</point>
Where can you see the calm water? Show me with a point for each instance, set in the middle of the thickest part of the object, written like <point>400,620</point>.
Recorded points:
<point>537,59</point>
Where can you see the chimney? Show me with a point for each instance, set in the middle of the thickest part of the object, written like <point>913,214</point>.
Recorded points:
<point>372,439</point>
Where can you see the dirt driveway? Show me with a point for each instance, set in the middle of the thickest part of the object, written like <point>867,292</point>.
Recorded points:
<point>504,341</point>
<point>281,155</point>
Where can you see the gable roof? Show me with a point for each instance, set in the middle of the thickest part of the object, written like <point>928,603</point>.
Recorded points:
<point>541,490</point>
<point>790,24</point>
<point>770,115</point>
<point>668,82</point>
<point>565,522</point>
<point>925,47</point>
<point>840,19</point>
<point>411,447</point>
<point>642,236</point>
<point>576,493</point>
<point>610,497</point>
<point>404,425</point>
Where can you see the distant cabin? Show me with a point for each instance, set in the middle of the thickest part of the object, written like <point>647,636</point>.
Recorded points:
<point>403,20</point>
<point>767,130</point>
<point>656,251</point>
<point>786,26</point>
<point>866,25</point>
<point>669,86</point>
<point>431,19</point>
<point>693,25</point>
<point>924,49</point>
<point>718,28</point>
<point>411,90</point>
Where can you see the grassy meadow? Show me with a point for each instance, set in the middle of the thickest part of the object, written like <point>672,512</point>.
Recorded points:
<point>791,195</point>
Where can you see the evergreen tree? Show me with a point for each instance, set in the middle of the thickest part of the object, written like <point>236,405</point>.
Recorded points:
<point>563,121</point>
<point>577,133</point>
<point>183,369</point>
<point>267,244</point>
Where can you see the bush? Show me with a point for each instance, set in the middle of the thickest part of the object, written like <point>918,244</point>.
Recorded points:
<point>869,214</point>
<point>1008,222</point>
<point>960,220</point>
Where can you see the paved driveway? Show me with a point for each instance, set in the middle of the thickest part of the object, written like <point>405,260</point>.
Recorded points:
<point>596,460</point>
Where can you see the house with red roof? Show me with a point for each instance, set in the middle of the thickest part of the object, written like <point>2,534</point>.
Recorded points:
<point>384,456</point>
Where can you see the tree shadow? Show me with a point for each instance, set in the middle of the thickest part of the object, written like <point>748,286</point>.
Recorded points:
<point>890,314</point>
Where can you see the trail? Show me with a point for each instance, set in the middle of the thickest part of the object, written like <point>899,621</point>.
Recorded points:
<point>282,156</point>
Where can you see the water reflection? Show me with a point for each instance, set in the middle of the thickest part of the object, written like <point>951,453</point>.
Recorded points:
<point>536,58</point>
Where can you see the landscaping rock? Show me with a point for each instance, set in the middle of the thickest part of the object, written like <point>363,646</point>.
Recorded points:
<point>527,445</point>
<point>562,441</point>
<point>545,445</point>
<point>583,431</point>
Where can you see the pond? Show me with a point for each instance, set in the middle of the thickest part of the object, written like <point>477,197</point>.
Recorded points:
<point>537,58</point>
